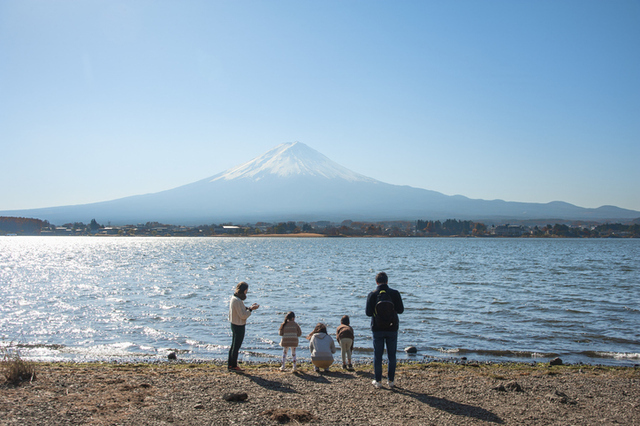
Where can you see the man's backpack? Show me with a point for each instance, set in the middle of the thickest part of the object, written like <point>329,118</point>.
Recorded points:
<point>385,315</point>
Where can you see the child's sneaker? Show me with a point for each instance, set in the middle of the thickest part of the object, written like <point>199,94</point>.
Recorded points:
<point>376,384</point>
<point>350,367</point>
<point>294,369</point>
<point>283,368</point>
<point>344,366</point>
<point>316,369</point>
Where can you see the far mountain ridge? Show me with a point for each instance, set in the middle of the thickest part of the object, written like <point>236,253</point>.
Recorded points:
<point>293,182</point>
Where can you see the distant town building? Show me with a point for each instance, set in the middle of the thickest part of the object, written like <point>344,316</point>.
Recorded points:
<point>228,229</point>
<point>322,224</point>
<point>509,230</point>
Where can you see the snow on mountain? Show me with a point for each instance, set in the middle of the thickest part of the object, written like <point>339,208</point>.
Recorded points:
<point>290,160</point>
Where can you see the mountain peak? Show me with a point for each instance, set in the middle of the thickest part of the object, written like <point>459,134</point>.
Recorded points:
<point>289,160</point>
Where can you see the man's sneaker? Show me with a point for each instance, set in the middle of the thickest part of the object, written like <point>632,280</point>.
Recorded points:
<point>376,384</point>
<point>344,366</point>
<point>283,368</point>
<point>294,369</point>
<point>391,384</point>
<point>350,367</point>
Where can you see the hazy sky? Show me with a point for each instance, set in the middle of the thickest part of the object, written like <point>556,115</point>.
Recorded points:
<point>531,101</point>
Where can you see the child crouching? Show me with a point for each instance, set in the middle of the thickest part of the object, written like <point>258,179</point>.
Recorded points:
<point>322,347</point>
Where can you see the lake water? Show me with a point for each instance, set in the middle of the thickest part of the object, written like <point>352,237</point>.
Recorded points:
<point>77,298</point>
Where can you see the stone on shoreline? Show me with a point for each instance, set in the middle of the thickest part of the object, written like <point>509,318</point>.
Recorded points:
<point>285,415</point>
<point>500,388</point>
<point>555,361</point>
<point>411,349</point>
<point>173,356</point>
<point>512,386</point>
<point>235,397</point>
<point>557,396</point>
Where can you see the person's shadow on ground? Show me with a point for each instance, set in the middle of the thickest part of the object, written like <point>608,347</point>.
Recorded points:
<point>337,373</point>
<point>365,374</point>
<point>451,406</point>
<point>442,404</point>
<point>270,384</point>
<point>316,377</point>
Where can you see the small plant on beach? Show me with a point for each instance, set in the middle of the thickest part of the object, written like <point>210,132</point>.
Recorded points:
<point>497,376</point>
<point>14,368</point>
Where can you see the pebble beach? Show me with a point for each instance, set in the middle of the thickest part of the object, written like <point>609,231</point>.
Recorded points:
<point>425,394</point>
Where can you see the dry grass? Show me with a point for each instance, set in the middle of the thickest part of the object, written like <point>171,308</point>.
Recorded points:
<point>15,369</point>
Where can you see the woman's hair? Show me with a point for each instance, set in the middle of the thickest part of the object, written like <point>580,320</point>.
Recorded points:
<point>240,289</point>
<point>344,320</point>
<point>289,317</point>
<point>320,328</point>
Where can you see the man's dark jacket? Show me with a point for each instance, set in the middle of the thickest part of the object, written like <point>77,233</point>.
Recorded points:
<point>372,299</point>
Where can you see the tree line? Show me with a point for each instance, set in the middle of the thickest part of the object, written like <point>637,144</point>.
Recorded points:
<point>609,230</point>
<point>21,225</point>
<point>347,228</point>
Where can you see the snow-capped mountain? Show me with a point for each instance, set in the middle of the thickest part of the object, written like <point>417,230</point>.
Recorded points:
<point>292,159</point>
<point>295,182</point>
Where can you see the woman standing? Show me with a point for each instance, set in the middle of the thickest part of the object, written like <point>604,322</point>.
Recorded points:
<point>238,314</point>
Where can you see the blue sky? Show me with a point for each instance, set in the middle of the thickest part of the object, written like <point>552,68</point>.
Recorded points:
<point>532,101</point>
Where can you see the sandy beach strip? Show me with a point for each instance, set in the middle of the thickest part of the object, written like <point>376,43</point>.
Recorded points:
<point>425,394</point>
<point>298,235</point>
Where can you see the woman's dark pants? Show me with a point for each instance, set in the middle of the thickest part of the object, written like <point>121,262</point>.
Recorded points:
<point>236,342</point>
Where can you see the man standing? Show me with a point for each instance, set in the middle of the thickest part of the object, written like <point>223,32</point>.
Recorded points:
<point>383,306</point>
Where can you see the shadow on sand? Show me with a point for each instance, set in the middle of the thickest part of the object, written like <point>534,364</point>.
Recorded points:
<point>451,407</point>
<point>324,376</point>
<point>365,374</point>
<point>442,403</point>
<point>315,377</point>
<point>270,384</point>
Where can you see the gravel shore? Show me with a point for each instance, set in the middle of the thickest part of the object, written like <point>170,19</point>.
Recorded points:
<point>425,394</point>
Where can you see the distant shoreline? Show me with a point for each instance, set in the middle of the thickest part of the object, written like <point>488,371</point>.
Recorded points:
<point>314,235</point>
